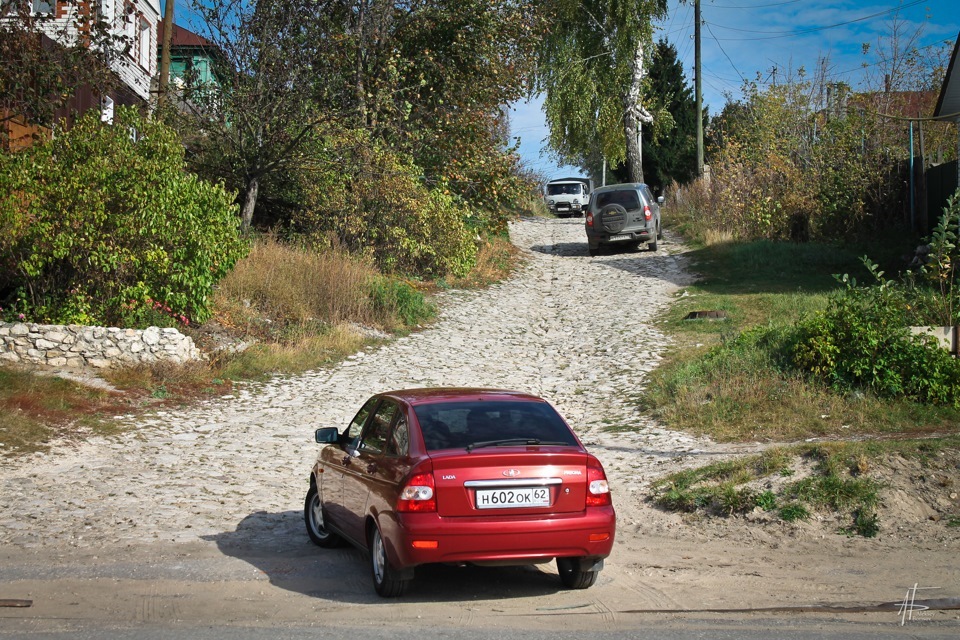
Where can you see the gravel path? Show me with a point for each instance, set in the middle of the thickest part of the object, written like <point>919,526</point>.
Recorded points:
<point>576,330</point>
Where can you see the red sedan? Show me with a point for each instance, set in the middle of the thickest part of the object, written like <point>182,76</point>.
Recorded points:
<point>460,476</point>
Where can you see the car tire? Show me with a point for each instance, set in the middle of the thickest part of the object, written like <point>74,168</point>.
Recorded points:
<point>659,232</point>
<point>572,576</point>
<point>652,246</point>
<point>385,579</point>
<point>313,517</point>
<point>593,251</point>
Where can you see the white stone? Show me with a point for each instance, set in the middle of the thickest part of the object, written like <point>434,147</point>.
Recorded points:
<point>151,335</point>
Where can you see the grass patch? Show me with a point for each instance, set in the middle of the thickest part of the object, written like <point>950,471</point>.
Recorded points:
<point>37,409</point>
<point>838,480</point>
<point>497,258</point>
<point>309,352</point>
<point>282,292</point>
<point>723,380</point>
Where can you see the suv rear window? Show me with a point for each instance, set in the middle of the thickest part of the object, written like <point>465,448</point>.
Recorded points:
<point>629,200</point>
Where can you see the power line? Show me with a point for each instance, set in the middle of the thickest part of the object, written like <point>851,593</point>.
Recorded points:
<point>756,6</point>
<point>724,51</point>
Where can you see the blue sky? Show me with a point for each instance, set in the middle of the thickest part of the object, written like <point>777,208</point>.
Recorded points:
<point>743,38</point>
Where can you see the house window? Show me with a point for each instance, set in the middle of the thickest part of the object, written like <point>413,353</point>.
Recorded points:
<point>130,31</point>
<point>144,44</point>
<point>42,6</point>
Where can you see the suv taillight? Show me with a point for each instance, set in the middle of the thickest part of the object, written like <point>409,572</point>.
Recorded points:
<point>598,491</point>
<point>418,495</point>
<point>589,218</point>
<point>646,212</point>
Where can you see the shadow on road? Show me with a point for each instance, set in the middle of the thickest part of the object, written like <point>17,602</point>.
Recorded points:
<point>277,545</point>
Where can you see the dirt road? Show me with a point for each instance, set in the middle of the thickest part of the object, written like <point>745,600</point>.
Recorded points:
<point>193,517</point>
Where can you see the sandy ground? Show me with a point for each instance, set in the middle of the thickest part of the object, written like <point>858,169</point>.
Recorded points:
<point>193,517</point>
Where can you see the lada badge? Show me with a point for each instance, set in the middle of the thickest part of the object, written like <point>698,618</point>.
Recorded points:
<point>512,473</point>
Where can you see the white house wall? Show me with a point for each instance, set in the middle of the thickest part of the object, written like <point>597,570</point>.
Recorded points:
<point>136,63</point>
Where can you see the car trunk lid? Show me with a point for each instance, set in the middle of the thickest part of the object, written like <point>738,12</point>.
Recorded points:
<point>510,481</point>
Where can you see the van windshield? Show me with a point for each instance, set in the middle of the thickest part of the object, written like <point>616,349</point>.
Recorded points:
<point>564,189</point>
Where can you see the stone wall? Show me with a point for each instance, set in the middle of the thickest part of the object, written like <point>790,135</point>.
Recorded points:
<point>99,347</point>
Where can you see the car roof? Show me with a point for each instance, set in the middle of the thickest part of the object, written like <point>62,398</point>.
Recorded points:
<point>432,395</point>
<point>620,187</point>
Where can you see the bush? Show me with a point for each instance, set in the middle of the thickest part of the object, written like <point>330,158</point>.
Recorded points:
<point>102,225</point>
<point>862,341</point>
<point>374,202</point>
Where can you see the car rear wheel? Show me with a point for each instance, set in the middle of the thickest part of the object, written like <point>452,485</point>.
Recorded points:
<point>572,576</point>
<point>316,528</point>
<point>385,579</point>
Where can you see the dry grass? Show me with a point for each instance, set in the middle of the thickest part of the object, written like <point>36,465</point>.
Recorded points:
<point>293,285</point>
<point>711,237</point>
<point>306,353</point>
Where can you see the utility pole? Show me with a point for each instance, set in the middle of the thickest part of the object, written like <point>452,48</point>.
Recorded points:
<point>699,88</point>
<point>164,84</point>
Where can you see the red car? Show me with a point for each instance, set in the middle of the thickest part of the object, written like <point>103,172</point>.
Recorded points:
<point>460,476</point>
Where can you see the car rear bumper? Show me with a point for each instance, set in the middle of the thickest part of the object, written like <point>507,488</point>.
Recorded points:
<point>643,235</point>
<point>429,538</point>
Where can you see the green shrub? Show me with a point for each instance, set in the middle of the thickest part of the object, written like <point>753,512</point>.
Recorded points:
<point>794,511</point>
<point>862,341</point>
<point>766,500</point>
<point>375,202</point>
<point>392,296</point>
<point>866,523</point>
<point>102,225</point>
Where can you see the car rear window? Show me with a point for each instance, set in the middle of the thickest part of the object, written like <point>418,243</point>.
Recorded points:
<point>629,200</point>
<point>454,425</point>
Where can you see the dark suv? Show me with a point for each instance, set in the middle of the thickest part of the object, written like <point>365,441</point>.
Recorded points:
<point>625,214</point>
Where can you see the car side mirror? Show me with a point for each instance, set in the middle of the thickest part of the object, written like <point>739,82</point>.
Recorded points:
<point>327,435</point>
<point>659,199</point>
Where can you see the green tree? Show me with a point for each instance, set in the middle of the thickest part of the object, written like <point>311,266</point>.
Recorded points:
<point>670,156</point>
<point>267,111</point>
<point>592,74</point>
<point>101,224</point>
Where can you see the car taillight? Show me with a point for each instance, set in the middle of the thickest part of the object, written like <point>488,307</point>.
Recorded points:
<point>598,491</point>
<point>418,494</point>
<point>589,219</point>
<point>646,212</point>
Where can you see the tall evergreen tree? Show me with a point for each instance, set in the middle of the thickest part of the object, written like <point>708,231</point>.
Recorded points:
<point>670,150</point>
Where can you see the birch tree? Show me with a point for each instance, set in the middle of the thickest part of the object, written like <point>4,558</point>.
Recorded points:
<point>591,73</point>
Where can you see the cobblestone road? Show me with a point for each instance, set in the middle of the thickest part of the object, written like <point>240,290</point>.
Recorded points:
<point>576,330</point>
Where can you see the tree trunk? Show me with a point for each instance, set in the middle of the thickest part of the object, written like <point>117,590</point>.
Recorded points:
<point>249,202</point>
<point>631,133</point>
<point>633,115</point>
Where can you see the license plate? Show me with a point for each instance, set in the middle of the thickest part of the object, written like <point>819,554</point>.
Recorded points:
<point>513,498</point>
<point>621,237</point>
